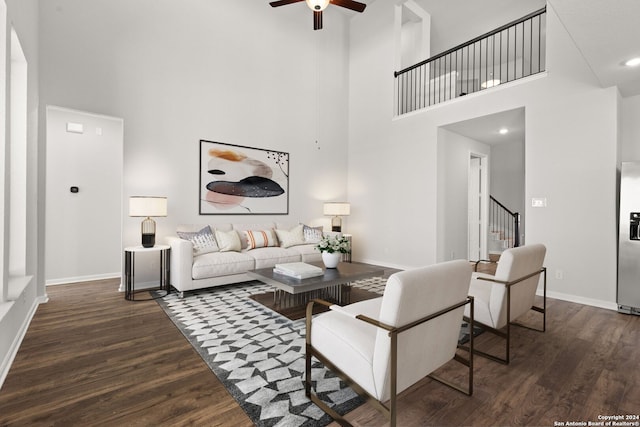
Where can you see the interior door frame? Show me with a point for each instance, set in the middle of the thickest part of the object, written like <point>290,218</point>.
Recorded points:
<point>481,197</point>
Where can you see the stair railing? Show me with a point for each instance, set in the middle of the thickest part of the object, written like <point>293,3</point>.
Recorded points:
<point>504,222</point>
<point>508,53</point>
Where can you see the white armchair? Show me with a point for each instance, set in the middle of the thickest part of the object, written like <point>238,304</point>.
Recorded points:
<point>510,293</point>
<point>382,346</point>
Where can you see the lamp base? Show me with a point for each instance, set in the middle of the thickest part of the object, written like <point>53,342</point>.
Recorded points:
<point>148,229</point>
<point>148,240</point>
<point>336,224</point>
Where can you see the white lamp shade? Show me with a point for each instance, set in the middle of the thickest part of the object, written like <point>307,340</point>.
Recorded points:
<point>317,5</point>
<point>337,208</point>
<point>146,206</point>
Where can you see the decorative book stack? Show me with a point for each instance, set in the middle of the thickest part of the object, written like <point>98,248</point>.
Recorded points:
<point>298,270</point>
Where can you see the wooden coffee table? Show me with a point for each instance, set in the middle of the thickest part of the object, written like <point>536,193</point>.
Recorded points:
<point>334,284</point>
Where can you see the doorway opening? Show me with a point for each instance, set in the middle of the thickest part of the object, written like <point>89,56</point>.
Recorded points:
<point>479,159</point>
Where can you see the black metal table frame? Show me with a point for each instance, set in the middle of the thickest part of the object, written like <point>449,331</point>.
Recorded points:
<point>334,283</point>
<point>129,274</point>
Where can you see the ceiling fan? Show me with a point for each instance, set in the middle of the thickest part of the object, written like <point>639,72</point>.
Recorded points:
<point>317,6</point>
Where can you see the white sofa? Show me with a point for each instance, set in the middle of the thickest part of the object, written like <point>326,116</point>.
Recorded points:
<point>190,271</point>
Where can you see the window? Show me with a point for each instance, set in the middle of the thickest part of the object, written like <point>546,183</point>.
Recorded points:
<point>14,204</point>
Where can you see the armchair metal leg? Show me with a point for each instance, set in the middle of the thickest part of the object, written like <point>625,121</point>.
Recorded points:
<point>327,410</point>
<point>467,362</point>
<point>507,335</point>
<point>543,309</point>
<point>311,352</point>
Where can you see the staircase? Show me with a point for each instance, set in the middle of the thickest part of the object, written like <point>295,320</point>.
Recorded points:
<point>498,242</point>
<point>504,229</point>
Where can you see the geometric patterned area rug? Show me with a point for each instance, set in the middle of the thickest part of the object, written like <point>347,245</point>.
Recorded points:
<point>258,354</point>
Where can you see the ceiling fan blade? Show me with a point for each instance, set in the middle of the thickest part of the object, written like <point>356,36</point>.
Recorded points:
<point>317,20</point>
<point>283,2</point>
<point>350,4</point>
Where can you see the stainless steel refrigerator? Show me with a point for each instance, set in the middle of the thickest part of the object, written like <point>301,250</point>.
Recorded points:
<point>629,240</point>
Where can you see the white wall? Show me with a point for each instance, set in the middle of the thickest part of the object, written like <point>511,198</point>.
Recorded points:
<point>237,72</point>
<point>630,150</point>
<point>15,315</point>
<point>570,159</point>
<point>83,222</point>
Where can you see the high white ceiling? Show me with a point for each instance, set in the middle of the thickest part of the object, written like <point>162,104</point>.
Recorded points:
<point>607,32</point>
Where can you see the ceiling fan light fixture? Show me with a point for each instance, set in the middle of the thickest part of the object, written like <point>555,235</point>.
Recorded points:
<point>317,5</point>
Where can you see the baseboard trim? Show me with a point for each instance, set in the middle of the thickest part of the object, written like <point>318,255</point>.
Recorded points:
<point>15,345</point>
<point>384,264</point>
<point>581,300</point>
<point>67,280</point>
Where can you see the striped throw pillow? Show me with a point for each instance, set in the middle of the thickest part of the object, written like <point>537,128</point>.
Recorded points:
<point>260,238</point>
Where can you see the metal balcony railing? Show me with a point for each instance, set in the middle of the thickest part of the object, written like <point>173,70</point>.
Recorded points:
<point>508,53</point>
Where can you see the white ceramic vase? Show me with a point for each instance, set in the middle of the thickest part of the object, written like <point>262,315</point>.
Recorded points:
<point>331,260</point>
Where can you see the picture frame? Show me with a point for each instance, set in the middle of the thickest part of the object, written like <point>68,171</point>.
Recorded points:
<point>241,180</point>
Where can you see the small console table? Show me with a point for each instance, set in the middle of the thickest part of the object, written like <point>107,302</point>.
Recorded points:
<point>129,270</point>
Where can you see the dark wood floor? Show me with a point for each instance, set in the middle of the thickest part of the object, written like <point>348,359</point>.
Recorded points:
<point>92,358</point>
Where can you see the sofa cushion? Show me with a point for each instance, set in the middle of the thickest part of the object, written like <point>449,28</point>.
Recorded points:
<point>291,237</point>
<point>269,257</point>
<point>203,241</point>
<point>195,227</point>
<point>312,234</point>
<point>221,264</point>
<point>260,238</point>
<point>242,227</point>
<point>228,241</point>
<point>307,253</point>
<point>332,334</point>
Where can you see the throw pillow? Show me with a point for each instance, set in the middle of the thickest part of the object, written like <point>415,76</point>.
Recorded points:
<point>292,237</point>
<point>203,241</point>
<point>260,238</point>
<point>228,241</point>
<point>312,234</point>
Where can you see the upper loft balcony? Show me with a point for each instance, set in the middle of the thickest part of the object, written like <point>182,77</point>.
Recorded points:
<point>508,53</point>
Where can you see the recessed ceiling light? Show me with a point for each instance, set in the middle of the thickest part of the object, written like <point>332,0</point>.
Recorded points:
<point>503,131</point>
<point>633,62</point>
<point>490,83</point>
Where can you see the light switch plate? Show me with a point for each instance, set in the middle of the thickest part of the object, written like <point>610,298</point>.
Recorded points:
<point>538,202</point>
<point>75,127</point>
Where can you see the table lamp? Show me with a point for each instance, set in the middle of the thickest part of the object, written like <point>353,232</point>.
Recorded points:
<point>337,209</point>
<point>147,206</point>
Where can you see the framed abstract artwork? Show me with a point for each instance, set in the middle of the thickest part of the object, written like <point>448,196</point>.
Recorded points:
<point>237,180</point>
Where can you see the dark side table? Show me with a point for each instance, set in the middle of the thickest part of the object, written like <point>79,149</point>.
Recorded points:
<point>129,270</point>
